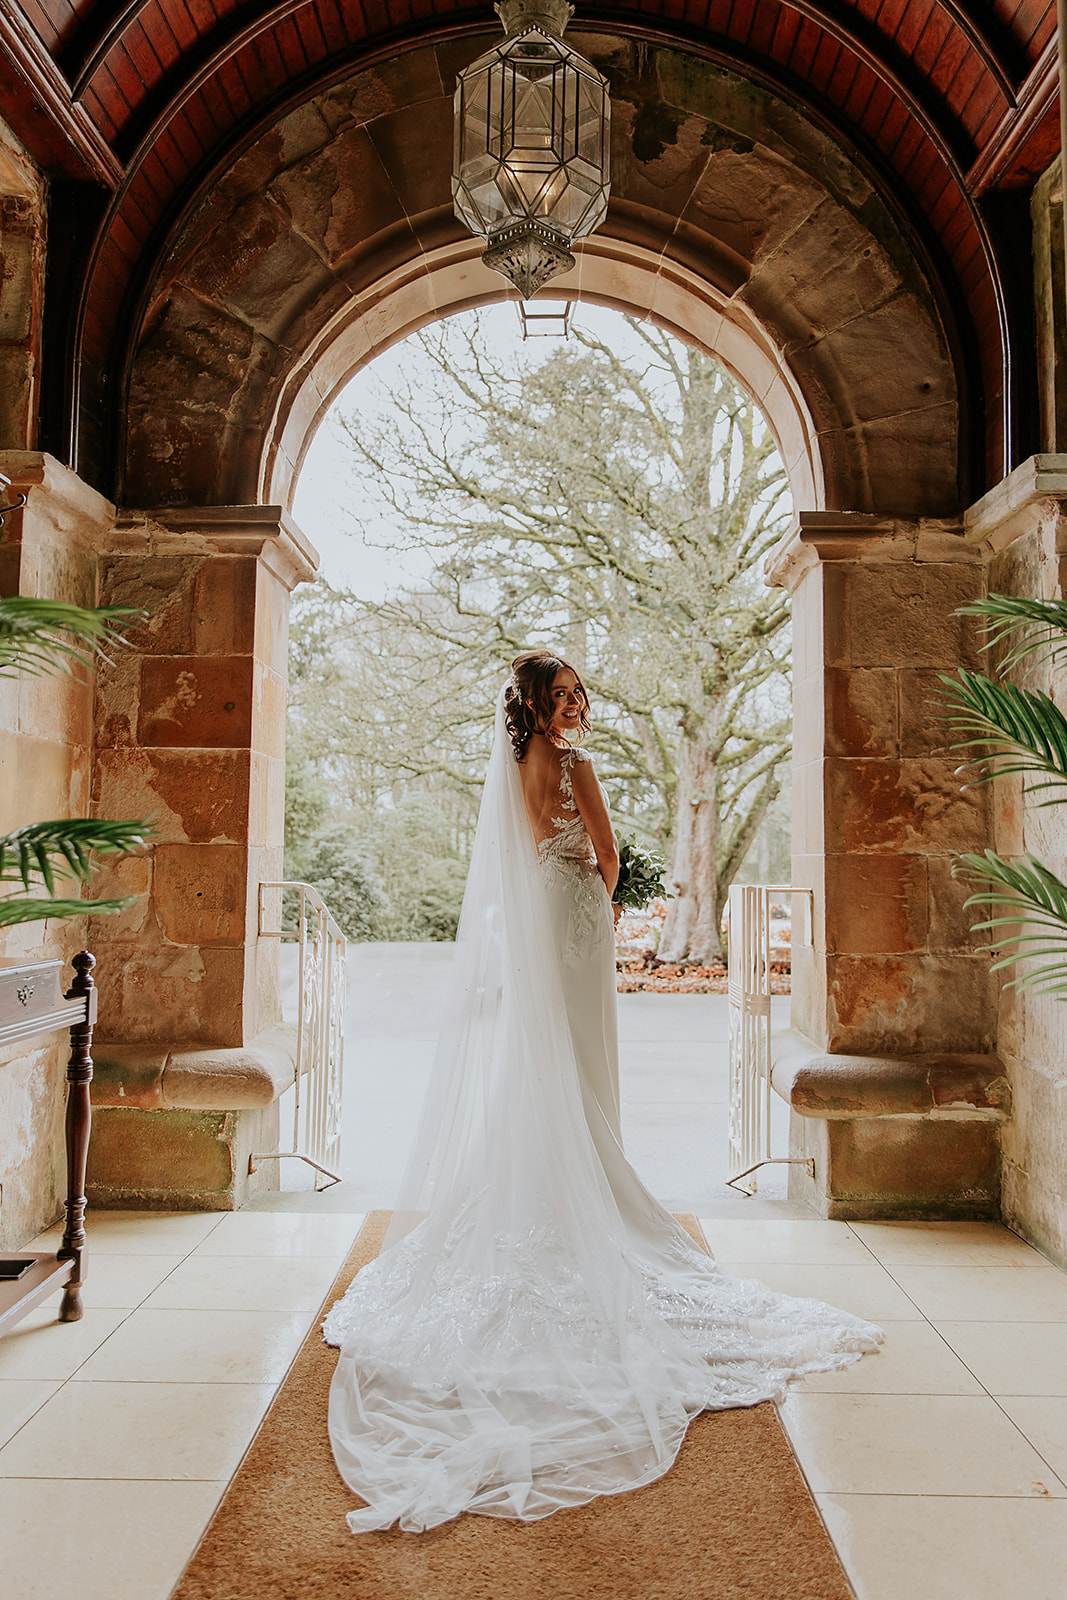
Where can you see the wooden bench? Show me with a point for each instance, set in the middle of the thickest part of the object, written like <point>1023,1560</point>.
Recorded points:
<point>33,1002</point>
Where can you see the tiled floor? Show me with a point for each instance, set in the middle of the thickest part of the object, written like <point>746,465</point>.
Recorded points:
<point>149,1402</point>
<point>939,1464</point>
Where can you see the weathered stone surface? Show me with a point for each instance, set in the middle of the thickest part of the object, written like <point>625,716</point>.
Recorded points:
<point>31,1137</point>
<point>952,927</point>
<point>353,194</point>
<point>268,713</point>
<point>203,702</point>
<point>200,892</point>
<point>907,1167</point>
<point>129,1076</point>
<point>899,615</point>
<point>923,730</point>
<point>861,715</point>
<point>851,1087</point>
<point>224,604</point>
<point>908,806</point>
<point>184,993</point>
<point>179,1160</point>
<point>906,1004</point>
<point>193,796</point>
<point>876,905</point>
<point>232,1080</point>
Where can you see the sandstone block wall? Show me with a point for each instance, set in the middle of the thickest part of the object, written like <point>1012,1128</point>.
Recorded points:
<point>878,808</point>
<point>50,549</point>
<point>1033,1028</point>
<point>190,730</point>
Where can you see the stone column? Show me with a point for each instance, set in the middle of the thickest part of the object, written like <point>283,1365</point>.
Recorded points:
<point>878,809</point>
<point>898,1097</point>
<point>190,729</point>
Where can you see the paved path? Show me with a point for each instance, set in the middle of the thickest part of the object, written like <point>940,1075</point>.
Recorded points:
<point>673,1069</point>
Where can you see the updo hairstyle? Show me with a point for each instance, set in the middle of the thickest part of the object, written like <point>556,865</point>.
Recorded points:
<point>528,705</point>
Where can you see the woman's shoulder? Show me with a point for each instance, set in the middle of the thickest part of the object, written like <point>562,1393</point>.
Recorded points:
<point>574,757</point>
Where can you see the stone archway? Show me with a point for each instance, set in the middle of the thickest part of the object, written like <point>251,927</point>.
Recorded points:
<point>737,224</point>
<point>733,219</point>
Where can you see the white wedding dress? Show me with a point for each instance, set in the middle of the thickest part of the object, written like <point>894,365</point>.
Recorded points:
<point>538,1330</point>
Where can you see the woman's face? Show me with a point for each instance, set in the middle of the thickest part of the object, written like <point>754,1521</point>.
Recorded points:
<point>567,703</point>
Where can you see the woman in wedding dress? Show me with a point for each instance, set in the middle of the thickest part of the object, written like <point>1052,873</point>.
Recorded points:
<point>538,1330</point>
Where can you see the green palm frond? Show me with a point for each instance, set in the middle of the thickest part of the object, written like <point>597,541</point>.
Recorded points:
<point>1021,626</point>
<point>25,910</point>
<point>41,851</point>
<point>1030,897</point>
<point>38,636</point>
<point>1021,730</point>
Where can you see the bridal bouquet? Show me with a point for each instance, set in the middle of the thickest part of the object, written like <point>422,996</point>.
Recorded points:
<point>641,876</point>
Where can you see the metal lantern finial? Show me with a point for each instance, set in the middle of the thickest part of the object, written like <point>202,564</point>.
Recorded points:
<point>531,146</point>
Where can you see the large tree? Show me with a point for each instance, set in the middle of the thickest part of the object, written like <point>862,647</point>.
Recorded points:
<point>620,505</point>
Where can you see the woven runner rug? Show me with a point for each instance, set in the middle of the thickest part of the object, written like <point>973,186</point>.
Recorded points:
<point>732,1520</point>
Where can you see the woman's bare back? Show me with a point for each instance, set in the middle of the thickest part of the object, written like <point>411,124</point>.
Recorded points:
<point>541,771</point>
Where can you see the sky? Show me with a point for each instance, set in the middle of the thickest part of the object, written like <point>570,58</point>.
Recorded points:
<point>328,486</point>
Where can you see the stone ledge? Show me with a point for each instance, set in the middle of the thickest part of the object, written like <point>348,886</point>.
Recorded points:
<point>242,1079</point>
<point>884,1137</point>
<point>846,1087</point>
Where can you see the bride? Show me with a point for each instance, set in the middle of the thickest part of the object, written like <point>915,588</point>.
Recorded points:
<point>538,1330</point>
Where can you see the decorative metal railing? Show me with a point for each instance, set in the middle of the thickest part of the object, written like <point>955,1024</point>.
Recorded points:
<point>295,913</point>
<point>750,962</point>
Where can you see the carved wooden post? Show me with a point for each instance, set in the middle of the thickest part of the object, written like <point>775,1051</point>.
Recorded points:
<point>78,1120</point>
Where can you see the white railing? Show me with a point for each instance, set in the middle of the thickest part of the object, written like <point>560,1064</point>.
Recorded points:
<point>750,942</point>
<point>295,913</point>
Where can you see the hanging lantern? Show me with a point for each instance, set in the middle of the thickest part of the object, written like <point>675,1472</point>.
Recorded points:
<point>530,172</point>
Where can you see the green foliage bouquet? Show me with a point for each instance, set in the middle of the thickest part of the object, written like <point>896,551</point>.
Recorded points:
<point>642,876</point>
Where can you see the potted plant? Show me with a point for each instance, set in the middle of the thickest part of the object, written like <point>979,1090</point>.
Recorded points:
<point>1007,729</point>
<point>38,636</point>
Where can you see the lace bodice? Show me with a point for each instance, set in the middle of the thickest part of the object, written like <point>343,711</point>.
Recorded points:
<point>570,841</point>
<point>568,862</point>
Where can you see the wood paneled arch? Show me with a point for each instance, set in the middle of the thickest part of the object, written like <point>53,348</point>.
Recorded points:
<point>950,105</point>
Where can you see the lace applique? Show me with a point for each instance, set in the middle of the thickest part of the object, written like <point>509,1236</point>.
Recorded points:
<point>569,863</point>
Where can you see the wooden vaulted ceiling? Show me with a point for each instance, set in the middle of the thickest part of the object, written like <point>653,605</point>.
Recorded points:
<point>953,102</point>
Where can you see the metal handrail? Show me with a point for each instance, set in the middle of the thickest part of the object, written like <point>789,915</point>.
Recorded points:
<point>318,1075</point>
<point>749,991</point>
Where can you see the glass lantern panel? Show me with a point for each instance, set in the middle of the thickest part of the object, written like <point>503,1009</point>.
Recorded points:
<point>530,138</point>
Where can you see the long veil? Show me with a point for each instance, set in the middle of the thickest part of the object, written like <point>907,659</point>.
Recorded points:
<point>517,1347</point>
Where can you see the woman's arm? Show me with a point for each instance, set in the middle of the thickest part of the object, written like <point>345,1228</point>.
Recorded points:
<point>592,809</point>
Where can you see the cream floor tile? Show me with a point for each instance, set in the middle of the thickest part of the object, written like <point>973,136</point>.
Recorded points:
<point>867,1290</point>
<point>41,1347</point>
<point>937,1548</point>
<point>281,1233</point>
<point>986,1294</point>
<point>787,1242</point>
<point>1018,1358</point>
<point>913,1444</point>
<point>139,1430</point>
<point>19,1399</point>
<point>913,1360</point>
<point>150,1233</point>
<point>199,1347</point>
<point>102,1540</point>
<point>962,1244</point>
<point>1043,1420</point>
<point>247,1283</point>
<point>119,1283</point>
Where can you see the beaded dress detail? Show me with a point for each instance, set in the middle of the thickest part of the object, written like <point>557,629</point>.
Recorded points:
<point>539,1330</point>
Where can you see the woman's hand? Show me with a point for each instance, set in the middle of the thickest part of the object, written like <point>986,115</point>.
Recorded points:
<point>616,911</point>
